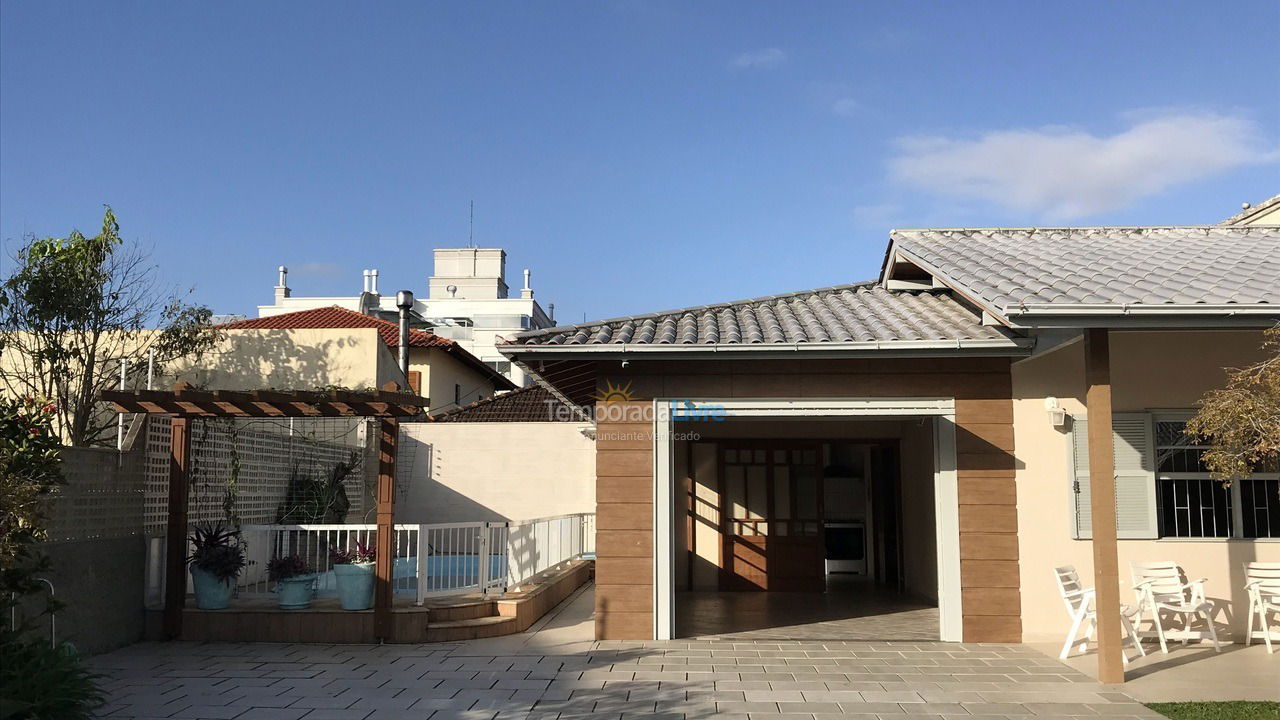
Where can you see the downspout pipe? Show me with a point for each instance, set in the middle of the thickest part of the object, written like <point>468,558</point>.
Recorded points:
<point>404,301</point>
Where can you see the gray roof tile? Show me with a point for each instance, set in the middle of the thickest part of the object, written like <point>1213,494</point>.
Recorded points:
<point>862,312</point>
<point>1150,265</point>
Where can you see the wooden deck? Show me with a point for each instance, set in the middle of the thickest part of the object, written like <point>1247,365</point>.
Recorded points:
<point>258,618</point>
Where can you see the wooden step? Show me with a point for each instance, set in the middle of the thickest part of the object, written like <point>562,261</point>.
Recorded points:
<point>462,611</point>
<point>470,629</point>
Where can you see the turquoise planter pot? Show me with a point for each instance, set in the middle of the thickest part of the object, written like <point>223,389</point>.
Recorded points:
<point>355,585</point>
<point>211,593</point>
<point>296,592</point>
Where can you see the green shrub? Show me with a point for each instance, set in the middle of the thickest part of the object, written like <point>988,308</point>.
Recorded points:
<point>39,682</point>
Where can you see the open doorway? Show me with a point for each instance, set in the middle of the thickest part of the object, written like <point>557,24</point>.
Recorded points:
<point>805,529</point>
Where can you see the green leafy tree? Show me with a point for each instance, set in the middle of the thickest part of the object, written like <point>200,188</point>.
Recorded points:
<point>30,468</point>
<point>1241,422</point>
<point>77,309</point>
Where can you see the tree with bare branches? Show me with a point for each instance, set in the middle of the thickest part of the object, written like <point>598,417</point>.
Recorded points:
<point>1241,422</point>
<point>78,310</point>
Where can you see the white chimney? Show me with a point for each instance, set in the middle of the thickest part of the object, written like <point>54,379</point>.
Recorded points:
<point>282,287</point>
<point>526,292</point>
<point>373,281</point>
<point>364,279</point>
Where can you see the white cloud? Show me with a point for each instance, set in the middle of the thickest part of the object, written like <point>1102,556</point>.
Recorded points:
<point>845,107</point>
<point>1064,173</point>
<point>765,59</point>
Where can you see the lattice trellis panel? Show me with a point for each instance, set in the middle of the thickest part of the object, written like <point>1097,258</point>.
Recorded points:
<point>102,497</point>
<point>266,451</point>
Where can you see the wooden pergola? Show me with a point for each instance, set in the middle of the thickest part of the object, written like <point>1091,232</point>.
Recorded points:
<point>185,403</point>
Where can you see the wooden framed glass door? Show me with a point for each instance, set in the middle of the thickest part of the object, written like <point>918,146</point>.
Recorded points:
<point>772,516</point>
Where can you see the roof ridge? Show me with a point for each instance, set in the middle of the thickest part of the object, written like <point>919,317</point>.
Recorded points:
<point>1252,210</point>
<point>327,308</point>
<point>1077,228</point>
<point>680,311</point>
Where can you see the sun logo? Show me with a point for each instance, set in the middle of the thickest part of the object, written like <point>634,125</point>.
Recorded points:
<point>615,393</point>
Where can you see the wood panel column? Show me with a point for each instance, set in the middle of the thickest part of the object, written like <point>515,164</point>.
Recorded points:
<point>624,521</point>
<point>388,438</point>
<point>1102,481</point>
<point>175,577</point>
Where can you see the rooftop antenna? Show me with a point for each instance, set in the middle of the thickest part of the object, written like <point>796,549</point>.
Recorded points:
<point>471,231</point>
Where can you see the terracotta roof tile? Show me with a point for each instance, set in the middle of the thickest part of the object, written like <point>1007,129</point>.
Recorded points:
<point>339,318</point>
<point>530,404</point>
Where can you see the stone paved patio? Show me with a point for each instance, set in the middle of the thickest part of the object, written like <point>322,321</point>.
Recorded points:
<point>610,680</point>
<point>556,671</point>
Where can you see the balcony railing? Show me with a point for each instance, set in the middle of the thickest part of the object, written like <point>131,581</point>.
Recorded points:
<point>430,559</point>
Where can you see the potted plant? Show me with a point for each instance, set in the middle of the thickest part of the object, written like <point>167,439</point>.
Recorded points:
<point>295,581</point>
<point>353,570</point>
<point>216,560</point>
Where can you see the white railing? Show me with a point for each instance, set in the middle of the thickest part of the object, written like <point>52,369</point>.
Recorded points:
<point>535,546</point>
<point>430,559</point>
<point>312,543</point>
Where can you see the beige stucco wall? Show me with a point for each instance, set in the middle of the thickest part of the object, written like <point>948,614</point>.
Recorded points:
<point>441,372</point>
<point>497,471</point>
<point>288,360</point>
<point>1150,371</point>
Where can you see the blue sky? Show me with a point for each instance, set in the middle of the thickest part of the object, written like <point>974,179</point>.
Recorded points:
<point>636,155</point>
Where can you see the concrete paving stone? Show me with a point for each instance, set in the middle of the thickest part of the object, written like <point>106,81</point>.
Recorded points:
<point>480,683</point>
<point>747,707</point>
<point>773,696</point>
<point>277,713</point>
<point>324,701</point>
<point>209,712</point>
<point>266,701</point>
<point>715,696</point>
<point>933,708</point>
<point>332,714</point>
<point>792,708</point>
<point>891,696</point>
<point>995,709</point>
<point>836,696</point>
<point>877,708</point>
<point>1061,709</point>
<point>745,684</point>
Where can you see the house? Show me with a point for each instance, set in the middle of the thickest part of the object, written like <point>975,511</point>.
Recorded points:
<point>518,455</point>
<point>334,346</point>
<point>467,301</point>
<point>922,441</point>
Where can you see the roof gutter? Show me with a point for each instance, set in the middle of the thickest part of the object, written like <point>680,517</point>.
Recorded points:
<point>1137,316</point>
<point>1126,309</point>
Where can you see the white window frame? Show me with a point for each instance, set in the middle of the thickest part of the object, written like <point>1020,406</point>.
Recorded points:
<point>946,491</point>
<point>1237,505</point>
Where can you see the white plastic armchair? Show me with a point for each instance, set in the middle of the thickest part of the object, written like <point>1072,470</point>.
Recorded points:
<point>1160,590</point>
<point>1079,601</point>
<point>1262,581</point>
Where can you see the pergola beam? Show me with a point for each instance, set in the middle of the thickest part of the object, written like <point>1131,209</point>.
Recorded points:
<point>186,401</point>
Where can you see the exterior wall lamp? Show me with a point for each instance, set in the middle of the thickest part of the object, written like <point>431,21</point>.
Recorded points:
<point>1057,416</point>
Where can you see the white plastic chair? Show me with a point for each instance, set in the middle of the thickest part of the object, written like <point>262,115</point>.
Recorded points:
<point>1080,606</point>
<point>1159,589</point>
<point>1262,580</point>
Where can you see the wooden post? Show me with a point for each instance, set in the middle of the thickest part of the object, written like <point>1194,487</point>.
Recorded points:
<point>175,582</point>
<point>389,430</point>
<point>1102,489</point>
